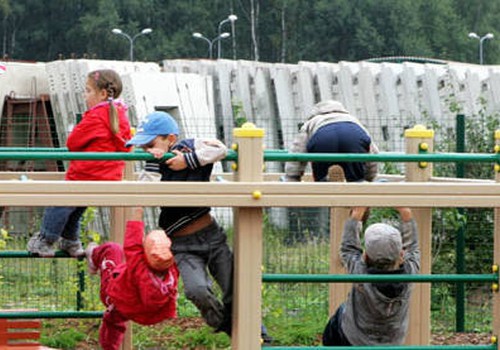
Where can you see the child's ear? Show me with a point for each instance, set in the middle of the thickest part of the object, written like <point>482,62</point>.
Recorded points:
<point>172,138</point>
<point>103,94</point>
<point>401,257</point>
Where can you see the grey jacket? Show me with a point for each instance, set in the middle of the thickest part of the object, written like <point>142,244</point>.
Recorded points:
<point>377,313</point>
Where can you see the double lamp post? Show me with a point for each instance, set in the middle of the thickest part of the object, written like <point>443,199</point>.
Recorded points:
<point>220,35</point>
<point>481,40</point>
<point>145,31</point>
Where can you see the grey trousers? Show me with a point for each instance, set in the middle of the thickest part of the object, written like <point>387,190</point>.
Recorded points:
<point>198,254</point>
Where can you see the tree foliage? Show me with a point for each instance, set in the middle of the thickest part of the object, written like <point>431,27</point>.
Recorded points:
<point>267,30</point>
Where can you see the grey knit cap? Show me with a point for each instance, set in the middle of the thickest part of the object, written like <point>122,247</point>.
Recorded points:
<point>328,106</point>
<point>383,243</point>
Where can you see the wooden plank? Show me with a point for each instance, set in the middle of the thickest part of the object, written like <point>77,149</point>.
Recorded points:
<point>226,194</point>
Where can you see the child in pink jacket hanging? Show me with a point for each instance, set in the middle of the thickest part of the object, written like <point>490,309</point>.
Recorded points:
<point>138,281</point>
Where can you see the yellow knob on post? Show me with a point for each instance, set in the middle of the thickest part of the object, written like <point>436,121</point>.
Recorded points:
<point>234,166</point>
<point>422,165</point>
<point>497,168</point>
<point>493,339</point>
<point>234,146</point>
<point>494,268</point>
<point>424,146</point>
<point>256,194</point>
<point>496,148</point>
<point>494,287</point>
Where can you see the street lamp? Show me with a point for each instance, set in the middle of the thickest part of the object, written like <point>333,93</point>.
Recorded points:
<point>231,18</point>
<point>473,35</point>
<point>131,39</point>
<point>211,42</point>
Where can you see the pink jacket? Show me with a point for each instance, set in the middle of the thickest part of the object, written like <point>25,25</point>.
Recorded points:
<point>136,292</point>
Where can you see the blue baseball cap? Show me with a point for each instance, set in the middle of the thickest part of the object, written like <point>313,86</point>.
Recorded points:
<point>153,125</point>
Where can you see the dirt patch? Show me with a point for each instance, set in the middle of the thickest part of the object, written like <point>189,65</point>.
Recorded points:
<point>461,339</point>
<point>192,323</point>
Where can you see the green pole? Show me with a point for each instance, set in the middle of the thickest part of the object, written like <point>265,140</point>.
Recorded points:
<point>389,347</point>
<point>372,278</point>
<point>460,246</point>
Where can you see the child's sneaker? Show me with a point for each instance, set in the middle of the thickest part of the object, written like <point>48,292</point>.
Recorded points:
<point>73,248</point>
<point>88,255</point>
<point>336,173</point>
<point>38,245</point>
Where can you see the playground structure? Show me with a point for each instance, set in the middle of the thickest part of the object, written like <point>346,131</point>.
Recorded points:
<point>248,193</point>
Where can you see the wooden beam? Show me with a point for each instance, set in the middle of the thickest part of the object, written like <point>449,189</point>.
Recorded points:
<point>240,194</point>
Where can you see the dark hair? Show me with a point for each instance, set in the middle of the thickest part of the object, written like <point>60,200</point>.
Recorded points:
<point>110,81</point>
<point>380,264</point>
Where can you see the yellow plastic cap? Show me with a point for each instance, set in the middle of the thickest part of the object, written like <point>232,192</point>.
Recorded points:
<point>419,131</point>
<point>256,194</point>
<point>248,130</point>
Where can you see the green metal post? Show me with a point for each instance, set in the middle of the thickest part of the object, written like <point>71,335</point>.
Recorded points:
<point>460,247</point>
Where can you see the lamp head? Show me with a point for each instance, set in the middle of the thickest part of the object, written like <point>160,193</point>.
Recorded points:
<point>197,35</point>
<point>116,31</point>
<point>146,31</point>
<point>232,18</point>
<point>225,35</point>
<point>489,36</point>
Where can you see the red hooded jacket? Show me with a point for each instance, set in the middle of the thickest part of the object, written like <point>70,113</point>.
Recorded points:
<point>93,134</point>
<point>135,291</point>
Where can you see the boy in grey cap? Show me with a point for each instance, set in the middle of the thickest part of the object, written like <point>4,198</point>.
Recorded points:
<point>375,313</point>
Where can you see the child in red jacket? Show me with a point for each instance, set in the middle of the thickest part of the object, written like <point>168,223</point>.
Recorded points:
<point>141,288</point>
<point>103,128</point>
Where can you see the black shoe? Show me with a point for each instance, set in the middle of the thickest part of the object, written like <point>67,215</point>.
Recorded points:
<point>266,340</point>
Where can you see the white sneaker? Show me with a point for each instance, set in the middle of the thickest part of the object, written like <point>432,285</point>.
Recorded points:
<point>38,245</point>
<point>73,248</point>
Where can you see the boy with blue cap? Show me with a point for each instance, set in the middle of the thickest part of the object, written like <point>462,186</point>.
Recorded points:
<point>199,244</point>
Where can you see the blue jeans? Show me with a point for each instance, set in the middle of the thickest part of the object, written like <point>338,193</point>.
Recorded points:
<point>344,137</point>
<point>61,222</point>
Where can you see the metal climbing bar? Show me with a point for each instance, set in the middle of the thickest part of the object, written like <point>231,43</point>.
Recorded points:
<point>26,254</point>
<point>389,347</point>
<point>51,314</point>
<point>269,155</point>
<point>327,278</point>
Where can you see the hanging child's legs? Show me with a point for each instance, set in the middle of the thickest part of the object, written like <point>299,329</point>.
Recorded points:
<point>192,254</point>
<point>105,258</point>
<point>58,222</point>
<point>112,330</point>
<point>220,266</point>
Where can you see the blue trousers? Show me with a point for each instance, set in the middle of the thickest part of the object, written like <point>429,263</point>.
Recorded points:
<point>344,137</point>
<point>61,222</point>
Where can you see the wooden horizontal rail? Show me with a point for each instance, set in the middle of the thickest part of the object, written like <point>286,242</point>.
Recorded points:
<point>248,194</point>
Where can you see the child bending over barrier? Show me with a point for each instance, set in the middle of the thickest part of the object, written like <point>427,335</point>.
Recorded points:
<point>138,281</point>
<point>375,313</point>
